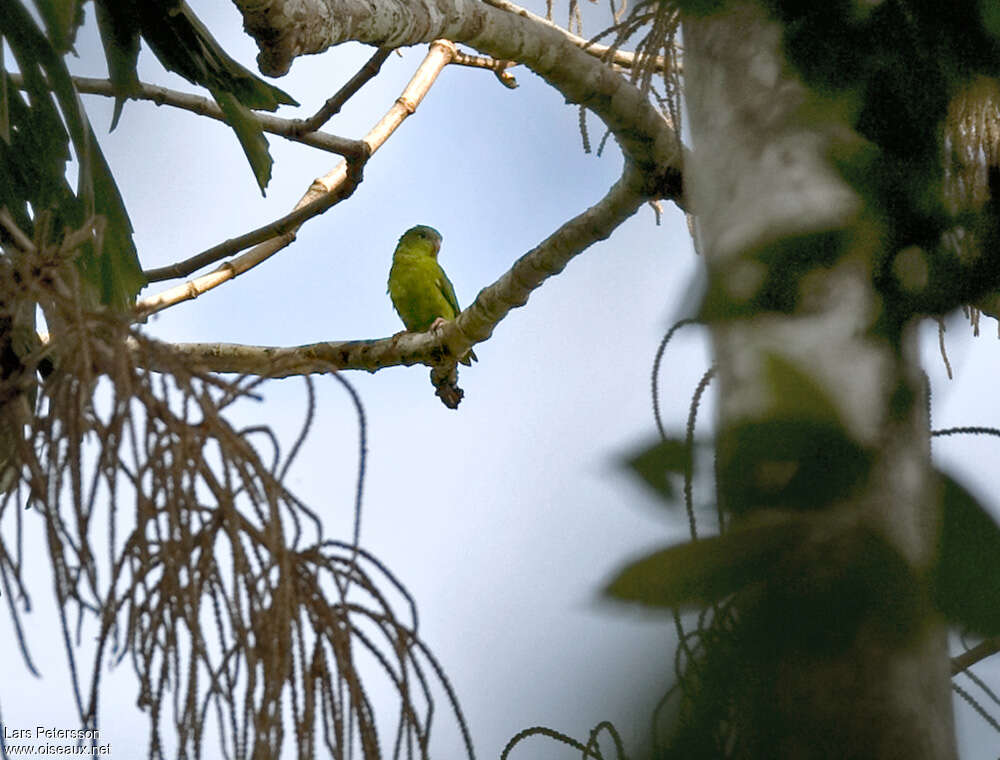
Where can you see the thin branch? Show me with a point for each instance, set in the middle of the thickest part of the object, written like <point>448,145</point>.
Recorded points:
<point>287,128</point>
<point>332,106</point>
<point>979,652</point>
<point>498,67</point>
<point>645,136</point>
<point>322,194</point>
<point>473,325</point>
<point>279,228</point>
<point>623,58</point>
<point>21,240</point>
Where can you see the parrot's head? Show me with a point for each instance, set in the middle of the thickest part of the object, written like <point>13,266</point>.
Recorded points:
<point>422,238</point>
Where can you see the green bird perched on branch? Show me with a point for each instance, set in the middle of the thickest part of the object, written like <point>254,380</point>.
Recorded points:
<point>421,292</point>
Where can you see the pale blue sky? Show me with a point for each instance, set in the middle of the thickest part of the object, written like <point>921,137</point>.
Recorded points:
<point>505,517</point>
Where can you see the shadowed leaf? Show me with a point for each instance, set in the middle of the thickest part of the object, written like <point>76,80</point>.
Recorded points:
<point>966,580</point>
<point>703,571</point>
<point>655,465</point>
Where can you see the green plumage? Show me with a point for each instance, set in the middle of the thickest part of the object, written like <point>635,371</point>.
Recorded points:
<point>420,290</point>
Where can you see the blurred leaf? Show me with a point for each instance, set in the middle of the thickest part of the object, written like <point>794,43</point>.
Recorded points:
<point>706,570</point>
<point>119,27</point>
<point>250,135</point>
<point>654,465</point>
<point>62,18</point>
<point>114,271</point>
<point>185,45</point>
<point>795,394</point>
<point>118,277</point>
<point>4,101</point>
<point>966,579</point>
<point>989,13</point>
<point>799,457</point>
<point>787,464</point>
<point>769,276</point>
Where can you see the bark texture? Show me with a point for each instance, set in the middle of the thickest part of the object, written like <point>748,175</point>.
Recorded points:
<point>761,176</point>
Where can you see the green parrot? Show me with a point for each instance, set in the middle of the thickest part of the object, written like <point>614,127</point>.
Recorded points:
<point>421,292</point>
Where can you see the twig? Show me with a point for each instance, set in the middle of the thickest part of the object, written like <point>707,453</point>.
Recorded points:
<point>322,194</point>
<point>279,228</point>
<point>21,240</point>
<point>979,652</point>
<point>498,67</point>
<point>287,128</point>
<point>623,58</point>
<point>454,339</point>
<point>332,106</point>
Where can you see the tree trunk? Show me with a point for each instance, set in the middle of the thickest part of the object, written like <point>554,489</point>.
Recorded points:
<point>762,185</point>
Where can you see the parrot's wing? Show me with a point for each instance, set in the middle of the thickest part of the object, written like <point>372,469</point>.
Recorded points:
<point>448,291</point>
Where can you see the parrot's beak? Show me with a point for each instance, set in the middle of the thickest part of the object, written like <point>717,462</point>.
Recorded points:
<point>437,247</point>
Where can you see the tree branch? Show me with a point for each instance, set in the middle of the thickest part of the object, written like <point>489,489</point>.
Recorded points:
<point>322,194</point>
<point>287,128</point>
<point>981,651</point>
<point>332,106</point>
<point>624,58</point>
<point>474,324</point>
<point>644,135</point>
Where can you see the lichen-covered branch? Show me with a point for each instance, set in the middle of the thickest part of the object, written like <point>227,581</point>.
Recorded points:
<point>624,58</point>
<point>323,193</point>
<point>285,29</point>
<point>474,324</point>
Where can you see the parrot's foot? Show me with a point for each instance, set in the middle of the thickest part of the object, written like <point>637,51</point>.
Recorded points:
<point>395,338</point>
<point>445,380</point>
<point>437,325</point>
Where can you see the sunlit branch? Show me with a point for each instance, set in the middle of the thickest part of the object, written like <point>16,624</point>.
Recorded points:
<point>645,137</point>
<point>487,62</point>
<point>624,58</point>
<point>474,324</point>
<point>332,106</point>
<point>322,194</point>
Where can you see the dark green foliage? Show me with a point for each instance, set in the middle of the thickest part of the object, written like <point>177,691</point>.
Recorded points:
<point>788,464</point>
<point>249,133</point>
<point>888,71</point>
<point>655,464</point>
<point>41,126</point>
<point>62,18</point>
<point>903,60</point>
<point>700,572</point>
<point>782,265</point>
<point>120,39</point>
<point>798,457</point>
<point>966,579</point>
<point>185,46</point>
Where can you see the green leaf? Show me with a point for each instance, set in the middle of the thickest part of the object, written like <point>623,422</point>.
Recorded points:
<point>4,101</point>
<point>249,132</point>
<point>769,277</point>
<point>703,571</point>
<point>120,275</point>
<point>788,464</point>
<point>795,394</point>
<point>655,464</point>
<point>62,18</point>
<point>185,45</point>
<point>966,579</point>
<point>798,456</point>
<point>119,27</point>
